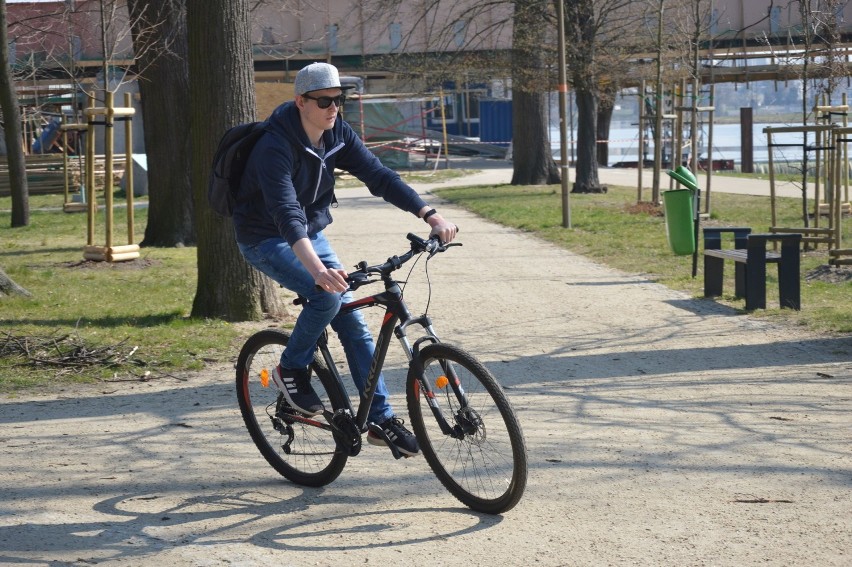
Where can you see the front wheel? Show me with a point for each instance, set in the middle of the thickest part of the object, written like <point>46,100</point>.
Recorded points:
<point>302,451</point>
<point>479,454</point>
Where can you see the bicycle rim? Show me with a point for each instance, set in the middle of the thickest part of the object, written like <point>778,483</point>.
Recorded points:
<point>305,454</point>
<point>486,468</point>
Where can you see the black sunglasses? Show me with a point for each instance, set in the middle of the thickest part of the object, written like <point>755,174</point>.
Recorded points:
<point>325,101</point>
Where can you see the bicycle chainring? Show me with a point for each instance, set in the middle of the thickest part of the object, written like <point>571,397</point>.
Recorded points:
<point>346,433</point>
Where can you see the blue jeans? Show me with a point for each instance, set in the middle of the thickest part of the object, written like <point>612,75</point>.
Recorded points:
<point>276,259</point>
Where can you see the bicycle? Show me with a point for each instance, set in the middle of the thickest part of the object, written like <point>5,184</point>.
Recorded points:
<point>460,415</point>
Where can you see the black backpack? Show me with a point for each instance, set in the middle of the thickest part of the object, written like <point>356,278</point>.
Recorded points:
<point>229,163</point>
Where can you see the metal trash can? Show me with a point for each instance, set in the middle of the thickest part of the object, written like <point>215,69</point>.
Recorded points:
<point>679,209</point>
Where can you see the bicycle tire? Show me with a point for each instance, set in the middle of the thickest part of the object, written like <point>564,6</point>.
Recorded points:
<point>311,458</point>
<point>486,469</point>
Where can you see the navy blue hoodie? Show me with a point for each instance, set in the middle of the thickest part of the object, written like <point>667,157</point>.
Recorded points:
<point>287,188</point>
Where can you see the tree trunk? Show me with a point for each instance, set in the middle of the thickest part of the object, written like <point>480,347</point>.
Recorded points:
<point>160,43</point>
<point>222,93</point>
<point>9,287</point>
<point>587,165</point>
<point>532,160</point>
<point>12,131</point>
<point>581,30</point>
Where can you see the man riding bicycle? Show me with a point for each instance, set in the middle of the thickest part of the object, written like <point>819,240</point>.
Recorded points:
<point>282,208</point>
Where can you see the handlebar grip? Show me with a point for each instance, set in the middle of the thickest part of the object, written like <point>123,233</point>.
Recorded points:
<point>413,238</point>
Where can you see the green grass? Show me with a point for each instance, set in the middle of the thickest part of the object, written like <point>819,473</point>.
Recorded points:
<point>142,304</point>
<point>612,229</point>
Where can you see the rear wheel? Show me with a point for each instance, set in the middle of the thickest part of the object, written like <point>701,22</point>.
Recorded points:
<point>301,449</point>
<point>482,461</point>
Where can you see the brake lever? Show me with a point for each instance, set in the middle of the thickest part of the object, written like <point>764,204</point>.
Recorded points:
<point>357,279</point>
<point>443,247</point>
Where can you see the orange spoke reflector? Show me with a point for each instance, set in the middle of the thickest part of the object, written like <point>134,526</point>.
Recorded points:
<point>441,382</point>
<point>264,378</point>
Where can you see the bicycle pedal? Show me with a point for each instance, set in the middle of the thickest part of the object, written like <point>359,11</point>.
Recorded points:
<point>380,433</point>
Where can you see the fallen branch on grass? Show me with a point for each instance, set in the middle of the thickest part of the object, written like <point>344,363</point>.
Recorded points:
<point>65,353</point>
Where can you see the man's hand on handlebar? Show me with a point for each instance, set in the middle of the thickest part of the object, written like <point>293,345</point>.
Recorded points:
<point>332,280</point>
<point>442,228</point>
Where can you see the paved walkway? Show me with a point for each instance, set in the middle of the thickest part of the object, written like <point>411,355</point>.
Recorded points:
<point>494,171</point>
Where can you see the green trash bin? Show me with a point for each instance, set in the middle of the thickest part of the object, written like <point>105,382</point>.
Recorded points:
<point>680,222</point>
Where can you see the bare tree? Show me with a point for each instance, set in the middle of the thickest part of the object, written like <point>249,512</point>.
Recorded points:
<point>146,42</point>
<point>531,78</point>
<point>447,41</point>
<point>12,131</point>
<point>591,27</point>
<point>222,93</point>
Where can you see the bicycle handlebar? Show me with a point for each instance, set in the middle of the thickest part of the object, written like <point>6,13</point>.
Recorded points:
<point>432,246</point>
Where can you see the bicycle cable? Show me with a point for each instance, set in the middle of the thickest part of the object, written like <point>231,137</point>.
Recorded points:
<point>428,277</point>
<point>428,281</point>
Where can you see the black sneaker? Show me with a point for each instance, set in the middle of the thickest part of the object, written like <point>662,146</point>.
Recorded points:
<point>403,439</point>
<point>296,387</point>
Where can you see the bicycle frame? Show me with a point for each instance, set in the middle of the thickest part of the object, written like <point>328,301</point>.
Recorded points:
<point>395,323</point>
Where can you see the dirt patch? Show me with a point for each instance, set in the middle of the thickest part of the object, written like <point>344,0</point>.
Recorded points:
<point>830,274</point>
<point>650,209</point>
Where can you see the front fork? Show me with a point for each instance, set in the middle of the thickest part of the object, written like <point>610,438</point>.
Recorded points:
<point>423,387</point>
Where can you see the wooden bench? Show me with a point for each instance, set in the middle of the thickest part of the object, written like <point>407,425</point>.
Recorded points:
<point>750,257</point>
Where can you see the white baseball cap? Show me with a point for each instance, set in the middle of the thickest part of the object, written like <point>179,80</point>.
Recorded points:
<point>318,76</point>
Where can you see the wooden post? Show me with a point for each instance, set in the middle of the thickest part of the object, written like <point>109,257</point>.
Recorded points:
<point>563,119</point>
<point>90,172</point>
<point>641,161</point>
<point>444,128</point>
<point>771,178</point>
<point>844,170</point>
<point>817,166</point>
<point>109,140</point>
<point>747,139</point>
<point>677,144</point>
<point>835,212</point>
<point>128,167</point>
<point>710,118</point>
<point>64,157</point>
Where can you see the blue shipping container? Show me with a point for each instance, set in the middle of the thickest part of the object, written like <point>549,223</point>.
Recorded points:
<point>495,121</point>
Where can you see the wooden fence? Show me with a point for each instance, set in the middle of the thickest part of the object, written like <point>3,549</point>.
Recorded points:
<point>46,173</point>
